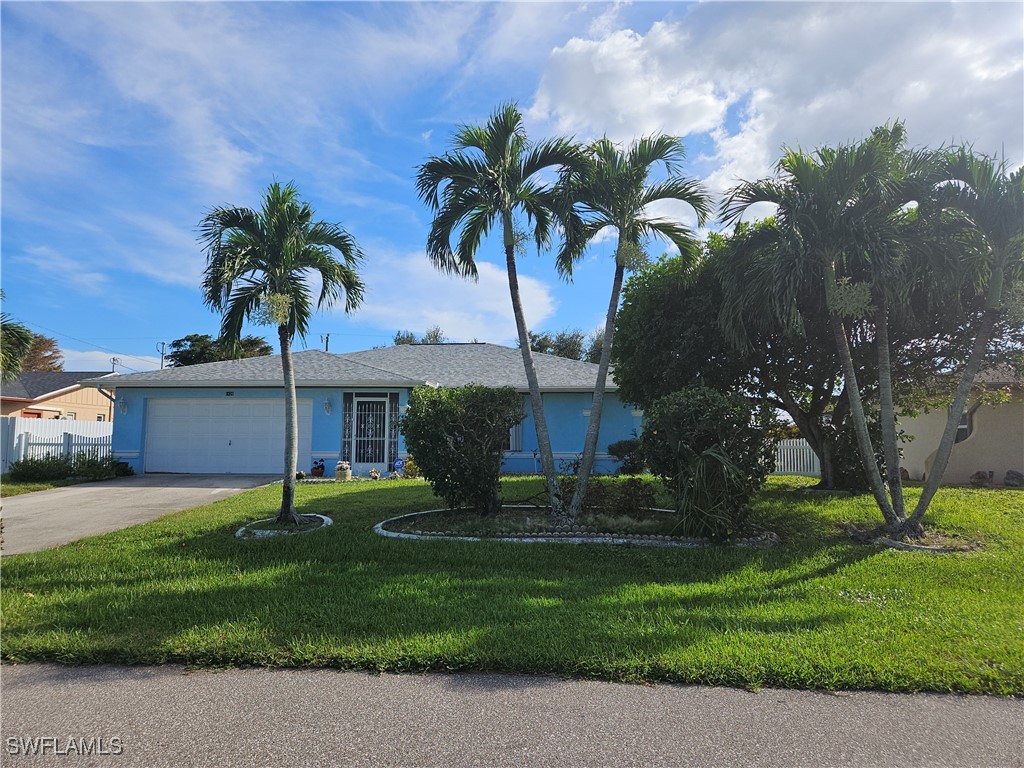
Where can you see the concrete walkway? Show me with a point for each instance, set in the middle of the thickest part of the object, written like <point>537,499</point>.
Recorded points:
<point>44,519</point>
<point>166,716</point>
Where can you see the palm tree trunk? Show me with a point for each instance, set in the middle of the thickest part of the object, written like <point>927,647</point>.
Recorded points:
<point>887,408</point>
<point>594,423</point>
<point>547,458</point>
<point>860,424</point>
<point>291,430</point>
<point>912,527</point>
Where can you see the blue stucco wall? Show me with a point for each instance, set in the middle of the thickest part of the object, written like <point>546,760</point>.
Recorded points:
<point>567,424</point>
<point>567,414</point>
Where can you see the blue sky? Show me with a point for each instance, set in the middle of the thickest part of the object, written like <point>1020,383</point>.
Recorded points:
<point>123,123</point>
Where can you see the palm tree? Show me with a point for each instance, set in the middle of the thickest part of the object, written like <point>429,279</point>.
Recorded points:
<point>993,201</point>
<point>611,190</point>
<point>831,211</point>
<point>258,264</point>
<point>490,176</point>
<point>15,344</point>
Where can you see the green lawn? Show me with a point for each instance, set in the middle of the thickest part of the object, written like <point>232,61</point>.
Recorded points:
<point>817,611</point>
<point>12,488</point>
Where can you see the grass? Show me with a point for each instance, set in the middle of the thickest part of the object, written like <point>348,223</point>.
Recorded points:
<point>13,488</point>
<point>816,611</point>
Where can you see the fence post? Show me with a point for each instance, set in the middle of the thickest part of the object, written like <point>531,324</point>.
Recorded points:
<point>67,445</point>
<point>22,450</point>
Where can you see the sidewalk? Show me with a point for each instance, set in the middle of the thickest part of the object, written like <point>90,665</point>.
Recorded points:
<point>166,716</point>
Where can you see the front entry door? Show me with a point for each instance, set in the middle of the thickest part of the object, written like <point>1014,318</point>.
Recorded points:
<point>370,436</point>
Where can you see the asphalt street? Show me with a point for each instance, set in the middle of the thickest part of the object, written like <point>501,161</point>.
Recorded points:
<point>168,716</point>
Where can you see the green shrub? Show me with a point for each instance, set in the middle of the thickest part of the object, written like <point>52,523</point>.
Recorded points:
<point>628,452</point>
<point>457,435</point>
<point>41,470</point>
<point>711,452</point>
<point>84,465</point>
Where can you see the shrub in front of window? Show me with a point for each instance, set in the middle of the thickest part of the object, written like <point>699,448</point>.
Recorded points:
<point>628,452</point>
<point>712,454</point>
<point>457,435</point>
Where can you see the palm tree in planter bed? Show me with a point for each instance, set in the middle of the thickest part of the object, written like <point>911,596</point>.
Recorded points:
<point>258,267</point>
<point>489,177</point>
<point>612,190</point>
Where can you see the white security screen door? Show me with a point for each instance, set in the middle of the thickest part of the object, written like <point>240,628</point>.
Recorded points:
<point>370,436</point>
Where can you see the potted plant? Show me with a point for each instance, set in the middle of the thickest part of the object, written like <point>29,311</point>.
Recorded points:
<point>343,471</point>
<point>374,474</point>
<point>318,468</point>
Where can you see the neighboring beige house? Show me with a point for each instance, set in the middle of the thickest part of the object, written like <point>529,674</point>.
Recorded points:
<point>55,395</point>
<point>990,437</point>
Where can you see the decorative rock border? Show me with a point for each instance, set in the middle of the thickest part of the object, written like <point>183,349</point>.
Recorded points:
<point>246,532</point>
<point>766,539</point>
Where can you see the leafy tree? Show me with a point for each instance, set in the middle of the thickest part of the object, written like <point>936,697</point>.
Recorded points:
<point>202,348</point>
<point>491,178</point>
<point>611,190</point>
<point>457,436</point>
<point>258,265</point>
<point>433,335</point>
<point>568,343</point>
<point>15,345</point>
<point>44,355</point>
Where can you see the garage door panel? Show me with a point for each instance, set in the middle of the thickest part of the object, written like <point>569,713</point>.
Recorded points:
<point>238,436</point>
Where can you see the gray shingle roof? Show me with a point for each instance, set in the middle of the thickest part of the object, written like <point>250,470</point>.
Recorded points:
<point>399,366</point>
<point>33,384</point>
<point>452,365</point>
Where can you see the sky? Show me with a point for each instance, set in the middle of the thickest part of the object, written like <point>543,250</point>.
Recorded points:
<point>124,123</point>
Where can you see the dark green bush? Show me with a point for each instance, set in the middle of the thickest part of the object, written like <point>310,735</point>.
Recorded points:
<point>457,435</point>
<point>84,465</point>
<point>41,470</point>
<point>712,453</point>
<point>628,452</point>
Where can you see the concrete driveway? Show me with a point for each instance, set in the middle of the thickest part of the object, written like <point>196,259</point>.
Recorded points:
<point>45,519</point>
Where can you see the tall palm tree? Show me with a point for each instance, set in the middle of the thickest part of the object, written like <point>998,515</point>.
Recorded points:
<point>488,178</point>
<point>15,344</point>
<point>611,190</point>
<point>830,212</point>
<point>258,265</point>
<point>993,201</point>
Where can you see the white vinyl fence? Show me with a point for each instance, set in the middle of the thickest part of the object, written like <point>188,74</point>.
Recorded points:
<point>34,438</point>
<point>795,457</point>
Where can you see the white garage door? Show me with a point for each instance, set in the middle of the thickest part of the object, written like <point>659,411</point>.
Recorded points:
<point>221,436</point>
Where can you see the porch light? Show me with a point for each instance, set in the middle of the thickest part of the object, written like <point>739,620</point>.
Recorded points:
<point>586,413</point>
<point>327,406</point>
<point>122,405</point>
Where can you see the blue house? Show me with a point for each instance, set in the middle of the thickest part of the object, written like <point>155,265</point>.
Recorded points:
<point>228,417</point>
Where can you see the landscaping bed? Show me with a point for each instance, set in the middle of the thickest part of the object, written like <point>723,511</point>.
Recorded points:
<point>818,610</point>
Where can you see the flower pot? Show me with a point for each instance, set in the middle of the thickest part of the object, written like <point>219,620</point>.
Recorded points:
<point>317,472</point>
<point>344,475</point>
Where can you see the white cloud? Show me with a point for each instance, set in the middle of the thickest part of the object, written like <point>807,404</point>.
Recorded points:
<point>755,76</point>
<point>90,360</point>
<point>53,267</point>
<point>405,291</point>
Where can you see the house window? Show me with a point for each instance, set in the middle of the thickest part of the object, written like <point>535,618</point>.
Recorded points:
<point>71,415</point>
<point>514,441</point>
<point>100,417</point>
<point>966,426</point>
